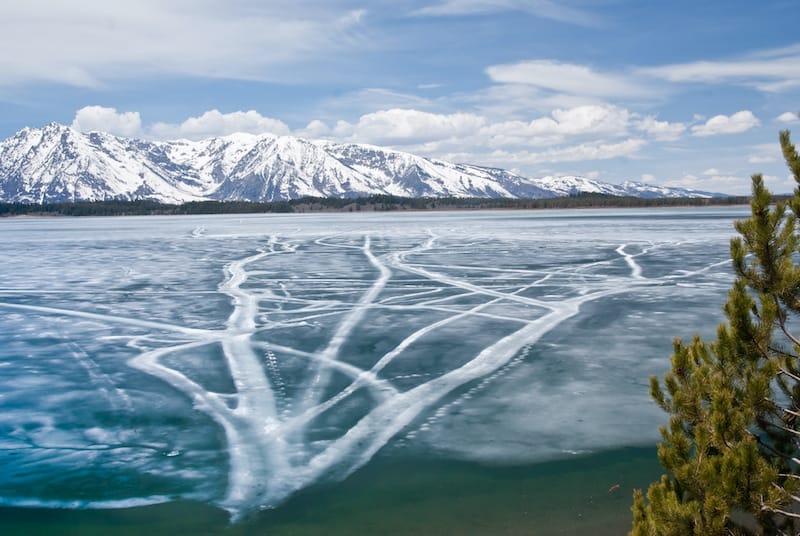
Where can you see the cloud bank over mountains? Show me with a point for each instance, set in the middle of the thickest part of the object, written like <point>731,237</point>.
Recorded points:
<point>582,133</point>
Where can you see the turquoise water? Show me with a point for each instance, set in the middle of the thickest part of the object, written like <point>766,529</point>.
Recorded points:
<point>300,374</point>
<point>402,497</point>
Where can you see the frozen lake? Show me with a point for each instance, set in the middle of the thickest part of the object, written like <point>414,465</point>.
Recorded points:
<point>236,360</point>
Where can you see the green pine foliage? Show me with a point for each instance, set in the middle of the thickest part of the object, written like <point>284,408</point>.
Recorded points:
<point>732,444</point>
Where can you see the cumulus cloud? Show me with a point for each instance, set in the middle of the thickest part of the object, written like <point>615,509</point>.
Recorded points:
<point>433,134</point>
<point>314,129</point>
<point>560,125</point>
<point>581,133</point>
<point>102,119</point>
<point>409,126</point>
<point>590,132</point>
<point>788,117</point>
<point>588,119</point>
<point>723,124</point>
<point>661,130</point>
<point>567,78</point>
<point>89,42</point>
<point>215,123</point>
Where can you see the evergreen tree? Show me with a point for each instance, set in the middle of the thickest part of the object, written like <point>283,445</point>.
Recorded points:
<point>733,439</point>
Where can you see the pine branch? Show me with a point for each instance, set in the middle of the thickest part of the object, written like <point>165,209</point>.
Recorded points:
<point>774,510</point>
<point>785,372</point>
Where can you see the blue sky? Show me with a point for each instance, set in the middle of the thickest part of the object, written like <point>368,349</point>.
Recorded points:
<point>682,93</point>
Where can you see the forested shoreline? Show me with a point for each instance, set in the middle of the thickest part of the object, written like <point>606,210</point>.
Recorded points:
<point>376,203</point>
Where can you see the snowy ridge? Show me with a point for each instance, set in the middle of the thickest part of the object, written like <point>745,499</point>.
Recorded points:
<point>57,164</point>
<point>570,185</point>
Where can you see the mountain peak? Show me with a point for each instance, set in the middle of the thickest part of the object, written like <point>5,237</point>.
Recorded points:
<point>57,127</point>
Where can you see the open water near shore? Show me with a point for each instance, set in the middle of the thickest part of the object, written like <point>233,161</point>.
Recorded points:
<point>425,373</point>
<point>568,497</point>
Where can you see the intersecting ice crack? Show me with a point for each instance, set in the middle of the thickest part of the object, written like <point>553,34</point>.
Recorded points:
<point>267,429</point>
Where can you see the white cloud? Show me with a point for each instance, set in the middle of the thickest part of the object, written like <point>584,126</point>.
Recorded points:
<point>89,42</point>
<point>430,133</point>
<point>561,124</point>
<point>353,104</point>
<point>581,133</point>
<point>726,184</point>
<point>661,130</point>
<point>723,124</point>
<point>591,119</point>
<point>215,123</point>
<point>764,153</point>
<point>788,117</point>
<point>102,119</point>
<point>547,9</point>
<point>648,178</point>
<point>595,121</point>
<point>713,180</point>
<point>409,126</point>
<point>761,159</point>
<point>515,101</point>
<point>567,78</point>
<point>575,153</point>
<point>771,70</point>
<point>315,129</point>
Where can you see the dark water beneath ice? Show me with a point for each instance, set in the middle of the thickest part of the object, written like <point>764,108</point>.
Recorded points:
<point>244,362</point>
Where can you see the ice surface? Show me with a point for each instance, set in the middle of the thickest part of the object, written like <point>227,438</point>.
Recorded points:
<point>238,359</point>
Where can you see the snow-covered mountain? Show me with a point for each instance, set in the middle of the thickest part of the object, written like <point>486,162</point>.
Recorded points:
<point>568,185</point>
<point>56,163</point>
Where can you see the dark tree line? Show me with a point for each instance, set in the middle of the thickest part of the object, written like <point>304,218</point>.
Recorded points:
<point>365,204</point>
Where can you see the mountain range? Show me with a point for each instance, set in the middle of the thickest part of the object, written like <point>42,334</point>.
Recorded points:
<point>58,164</point>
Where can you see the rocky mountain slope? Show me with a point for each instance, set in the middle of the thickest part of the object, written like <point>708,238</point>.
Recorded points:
<point>57,164</point>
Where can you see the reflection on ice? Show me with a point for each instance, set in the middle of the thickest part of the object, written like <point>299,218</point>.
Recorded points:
<point>240,362</point>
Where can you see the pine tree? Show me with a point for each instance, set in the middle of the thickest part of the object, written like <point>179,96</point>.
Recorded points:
<point>732,444</point>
